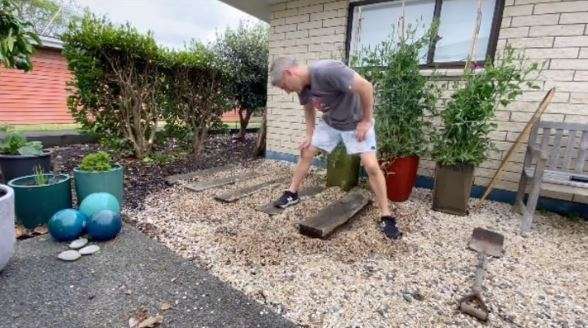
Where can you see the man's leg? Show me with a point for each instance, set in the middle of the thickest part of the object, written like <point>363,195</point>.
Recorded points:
<point>376,180</point>
<point>306,156</point>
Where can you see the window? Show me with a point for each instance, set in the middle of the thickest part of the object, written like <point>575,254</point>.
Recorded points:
<point>372,21</point>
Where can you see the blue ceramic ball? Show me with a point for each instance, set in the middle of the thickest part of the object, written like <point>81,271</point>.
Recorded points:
<point>67,224</point>
<point>97,202</point>
<point>104,225</point>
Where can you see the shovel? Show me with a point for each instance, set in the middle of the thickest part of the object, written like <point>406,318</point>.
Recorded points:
<point>485,242</point>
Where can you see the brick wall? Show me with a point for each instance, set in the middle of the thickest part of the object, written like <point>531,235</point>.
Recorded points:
<point>553,33</point>
<point>39,96</point>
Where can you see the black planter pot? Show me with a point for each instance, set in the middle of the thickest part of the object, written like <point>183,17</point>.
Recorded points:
<point>453,185</point>
<point>14,166</point>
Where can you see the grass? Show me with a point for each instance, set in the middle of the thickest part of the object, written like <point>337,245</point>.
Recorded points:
<point>43,127</point>
<point>254,123</point>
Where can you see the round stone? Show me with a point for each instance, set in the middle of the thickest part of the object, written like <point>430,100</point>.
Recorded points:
<point>70,255</point>
<point>90,249</point>
<point>78,243</point>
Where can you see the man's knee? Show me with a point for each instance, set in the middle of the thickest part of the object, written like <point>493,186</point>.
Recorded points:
<point>308,153</point>
<point>370,164</point>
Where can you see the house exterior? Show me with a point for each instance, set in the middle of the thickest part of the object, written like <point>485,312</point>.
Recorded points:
<point>39,96</point>
<point>553,33</point>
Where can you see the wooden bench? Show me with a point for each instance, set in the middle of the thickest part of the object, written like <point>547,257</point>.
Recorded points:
<point>555,160</point>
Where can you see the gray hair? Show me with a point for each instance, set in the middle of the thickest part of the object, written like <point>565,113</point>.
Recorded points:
<point>279,66</point>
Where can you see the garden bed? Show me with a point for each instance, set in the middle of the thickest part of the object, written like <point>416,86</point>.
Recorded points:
<point>142,178</point>
<point>359,278</point>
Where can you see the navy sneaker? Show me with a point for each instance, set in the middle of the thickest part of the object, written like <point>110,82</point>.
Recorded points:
<point>288,199</point>
<point>389,228</point>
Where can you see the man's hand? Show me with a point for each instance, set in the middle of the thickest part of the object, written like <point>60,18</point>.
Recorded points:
<point>362,129</point>
<point>305,143</point>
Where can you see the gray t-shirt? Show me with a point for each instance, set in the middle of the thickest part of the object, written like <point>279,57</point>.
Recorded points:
<point>330,92</point>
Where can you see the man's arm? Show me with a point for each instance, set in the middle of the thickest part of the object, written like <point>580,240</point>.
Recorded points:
<point>309,118</point>
<point>365,90</point>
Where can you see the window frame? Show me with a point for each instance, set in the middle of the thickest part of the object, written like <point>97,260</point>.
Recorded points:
<point>492,38</point>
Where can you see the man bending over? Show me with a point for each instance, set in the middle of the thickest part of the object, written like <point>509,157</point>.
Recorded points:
<point>346,100</point>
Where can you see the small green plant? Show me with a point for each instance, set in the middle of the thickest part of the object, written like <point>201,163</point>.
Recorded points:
<point>5,127</point>
<point>40,177</point>
<point>468,119</point>
<point>96,162</point>
<point>405,97</point>
<point>16,144</point>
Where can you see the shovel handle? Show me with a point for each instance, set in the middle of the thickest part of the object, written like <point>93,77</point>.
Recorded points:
<point>480,273</point>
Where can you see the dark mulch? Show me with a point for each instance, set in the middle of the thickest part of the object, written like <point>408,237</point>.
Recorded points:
<point>143,178</point>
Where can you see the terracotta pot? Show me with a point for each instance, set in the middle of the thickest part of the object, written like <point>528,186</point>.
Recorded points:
<point>401,174</point>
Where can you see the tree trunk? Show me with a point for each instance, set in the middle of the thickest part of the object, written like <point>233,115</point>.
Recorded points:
<point>261,136</point>
<point>244,117</point>
<point>200,135</point>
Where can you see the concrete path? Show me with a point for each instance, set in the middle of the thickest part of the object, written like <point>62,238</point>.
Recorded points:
<point>130,273</point>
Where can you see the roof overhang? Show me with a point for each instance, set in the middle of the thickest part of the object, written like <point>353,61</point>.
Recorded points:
<point>51,43</point>
<point>258,8</point>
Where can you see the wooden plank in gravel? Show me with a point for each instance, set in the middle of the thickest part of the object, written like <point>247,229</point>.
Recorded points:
<point>173,179</point>
<point>335,214</point>
<point>209,184</point>
<point>271,209</point>
<point>235,195</point>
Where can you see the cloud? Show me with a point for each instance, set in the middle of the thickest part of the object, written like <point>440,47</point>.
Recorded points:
<point>173,22</point>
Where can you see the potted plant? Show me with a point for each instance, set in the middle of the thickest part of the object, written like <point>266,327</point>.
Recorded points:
<point>39,196</point>
<point>463,142</point>
<point>97,173</point>
<point>405,101</point>
<point>19,157</point>
<point>342,169</point>
<point>7,232</point>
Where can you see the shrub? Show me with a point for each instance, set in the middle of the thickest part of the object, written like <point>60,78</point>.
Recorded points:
<point>96,162</point>
<point>198,92</point>
<point>405,98</point>
<point>467,120</point>
<point>118,86</point>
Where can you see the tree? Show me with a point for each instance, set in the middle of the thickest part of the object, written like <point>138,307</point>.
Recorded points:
<point>49,17</point>
<point>245,49</point>
<point>198,92</point>
<point>17,38</point>
<point>118,90</point>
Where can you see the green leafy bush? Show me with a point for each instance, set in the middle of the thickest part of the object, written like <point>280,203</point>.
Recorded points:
<point>16,144</point>
<point>405,98</point>
<point>96,162</point>
<point>198,92</point>
<point>245,49</point>
<point>118,89</point>
<point>17,38</point>
<point>468,118</point>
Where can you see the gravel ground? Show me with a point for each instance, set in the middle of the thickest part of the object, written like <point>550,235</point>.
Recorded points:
<point>359,278</point>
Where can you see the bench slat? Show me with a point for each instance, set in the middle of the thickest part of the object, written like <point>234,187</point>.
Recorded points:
<point>569,150</point>
<point>563,125</point>
<point>552,163</point>
<point>583,152</point>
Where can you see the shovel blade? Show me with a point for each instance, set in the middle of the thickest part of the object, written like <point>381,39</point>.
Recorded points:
<point>487,242</point>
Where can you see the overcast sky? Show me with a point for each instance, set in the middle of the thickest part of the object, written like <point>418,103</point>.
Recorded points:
<point>173,22</point>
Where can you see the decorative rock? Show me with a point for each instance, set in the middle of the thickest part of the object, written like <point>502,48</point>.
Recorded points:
<point>78,243</point>
<point>88,250</point>
<point>407,297</point>
<point>70,255</point>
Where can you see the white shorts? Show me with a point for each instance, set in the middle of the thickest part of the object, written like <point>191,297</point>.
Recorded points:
<point>327,138</point>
